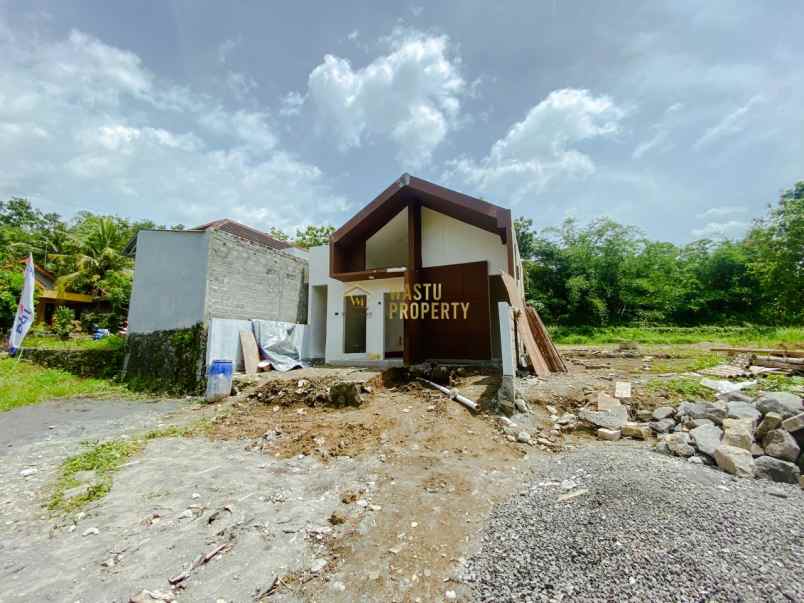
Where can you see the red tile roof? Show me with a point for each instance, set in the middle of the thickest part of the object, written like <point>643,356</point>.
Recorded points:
<point>245,232</point>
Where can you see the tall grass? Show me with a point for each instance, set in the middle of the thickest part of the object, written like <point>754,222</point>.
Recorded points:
<point>23,383</point>
<point>789,337</point>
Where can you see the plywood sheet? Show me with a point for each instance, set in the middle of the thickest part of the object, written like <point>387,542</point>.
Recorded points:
<point>251,356</point>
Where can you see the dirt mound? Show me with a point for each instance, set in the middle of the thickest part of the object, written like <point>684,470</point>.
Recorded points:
<point>324,391</point>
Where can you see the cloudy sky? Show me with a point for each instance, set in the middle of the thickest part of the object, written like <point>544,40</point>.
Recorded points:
<point>685,118</point>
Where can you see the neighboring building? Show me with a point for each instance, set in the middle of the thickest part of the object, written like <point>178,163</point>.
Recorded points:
<point>434,252</point>
<point>48,297</point>
<point>223,269</point>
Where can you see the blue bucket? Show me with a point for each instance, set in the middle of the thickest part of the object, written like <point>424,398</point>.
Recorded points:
<point>219,380</point>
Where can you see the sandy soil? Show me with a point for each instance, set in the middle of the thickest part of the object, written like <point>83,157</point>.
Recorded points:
<point>297,501</point>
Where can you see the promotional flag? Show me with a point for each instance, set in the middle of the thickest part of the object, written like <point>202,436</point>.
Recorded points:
<point>25,311</point>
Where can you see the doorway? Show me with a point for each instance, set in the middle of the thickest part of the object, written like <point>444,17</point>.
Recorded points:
<point>393,327</point>
<point>354,313</point>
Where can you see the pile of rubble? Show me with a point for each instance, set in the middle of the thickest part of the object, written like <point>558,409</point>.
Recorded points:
<point>760,438</point>
<point>312,392</point>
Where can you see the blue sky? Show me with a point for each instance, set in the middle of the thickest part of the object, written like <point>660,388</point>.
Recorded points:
<point>681,117</point>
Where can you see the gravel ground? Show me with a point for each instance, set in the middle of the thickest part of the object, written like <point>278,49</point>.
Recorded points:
<point>648,528</point>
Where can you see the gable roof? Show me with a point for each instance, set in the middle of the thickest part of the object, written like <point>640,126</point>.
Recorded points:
<point>392,200</point>
<point>225,225</point>
<point>245,232</point>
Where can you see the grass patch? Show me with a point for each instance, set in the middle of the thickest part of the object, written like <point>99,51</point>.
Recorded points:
<point>694,361</point>
<point>113,342</point>
<point>23,383</point>
<point>757,336</point>
<point>777,383</point>
<point>104,459</point>
<point>679,388</point>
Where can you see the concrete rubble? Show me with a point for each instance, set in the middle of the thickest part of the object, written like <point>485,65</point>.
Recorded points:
<point>745,437</point>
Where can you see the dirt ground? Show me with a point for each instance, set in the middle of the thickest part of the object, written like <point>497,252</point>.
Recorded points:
<point>290,499</point>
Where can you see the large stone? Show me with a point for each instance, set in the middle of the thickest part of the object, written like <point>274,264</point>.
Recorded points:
<point>703,410</point>
<point>780,444</point>
<point>610,419</point>
<point>607,402</point>
<point>663,412</point>
<point>609,434</point>
<point>739,438</point>
<point>693,423</point>
<point>743,424</point>
<point>771,421</point>
<point>739,410</point>
<point>736,461</point>
<point>786,404</point>
<point>794,423</point>
<point>637,431</point>
<point>777,470</point>
<point>663,426</point>
<point>679,444</point>
<point>706,438</point>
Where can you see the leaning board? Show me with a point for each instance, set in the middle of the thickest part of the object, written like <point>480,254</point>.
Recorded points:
<point>250,354</point>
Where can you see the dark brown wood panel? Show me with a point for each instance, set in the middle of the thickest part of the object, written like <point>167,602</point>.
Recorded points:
<point>457,338</point>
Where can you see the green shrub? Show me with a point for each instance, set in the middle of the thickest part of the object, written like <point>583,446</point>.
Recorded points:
<point>63,322</point>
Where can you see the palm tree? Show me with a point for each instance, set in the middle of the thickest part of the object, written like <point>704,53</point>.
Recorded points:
<point>97,245</point>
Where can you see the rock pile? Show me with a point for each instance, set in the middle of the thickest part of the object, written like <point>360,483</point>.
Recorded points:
<point>317,392</point>
<point>748,438</point>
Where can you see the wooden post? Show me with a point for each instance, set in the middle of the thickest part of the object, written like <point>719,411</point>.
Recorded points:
<point>410,354</point>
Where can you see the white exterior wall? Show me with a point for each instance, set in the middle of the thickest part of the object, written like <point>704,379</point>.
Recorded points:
<point>448,241</point>
<point>336,293</point>
<point>170,281</point>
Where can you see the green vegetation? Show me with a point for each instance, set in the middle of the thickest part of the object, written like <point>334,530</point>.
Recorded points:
<point>63,322</point>
<point>113,342</point>
<point>607,274</point>
<point>22,383</point>
<point>103,459</point>
<point>679,388</point>
<point>777,383</point>
<point>687,361</point>
<point>729,335</point>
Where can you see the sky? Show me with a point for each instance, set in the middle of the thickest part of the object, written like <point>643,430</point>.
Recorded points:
<point>683,118</point>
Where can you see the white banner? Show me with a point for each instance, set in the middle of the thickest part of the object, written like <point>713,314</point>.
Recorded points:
<point>25,311</point>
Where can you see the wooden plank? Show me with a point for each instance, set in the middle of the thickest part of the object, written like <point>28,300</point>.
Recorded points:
<point>545,343</point>
<point>766,351</point>
<point>251,357</point>
<point>523,328</point>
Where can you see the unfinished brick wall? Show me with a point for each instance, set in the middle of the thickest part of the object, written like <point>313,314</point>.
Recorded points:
<point>250,281</point>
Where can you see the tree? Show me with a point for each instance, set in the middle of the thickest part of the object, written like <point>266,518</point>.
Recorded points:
<point>96,249</point>
<point>312,236</point>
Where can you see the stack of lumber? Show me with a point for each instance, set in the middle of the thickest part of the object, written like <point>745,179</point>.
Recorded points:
<point>542,353</point>
<point>546,346</point>
<point>791,361</point>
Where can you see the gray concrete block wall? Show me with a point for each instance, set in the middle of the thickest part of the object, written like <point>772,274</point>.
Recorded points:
<point>250,281</point>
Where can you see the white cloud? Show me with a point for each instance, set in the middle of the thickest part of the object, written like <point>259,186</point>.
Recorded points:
<point>733,123</point>
<point>719,212</point>
<point>540,148</point>
<point>720,230</point>
<point>662,130</point>
<point>410,95</point>
<point>291,104</point>
<point>353,35</point>
<point>86,125</point>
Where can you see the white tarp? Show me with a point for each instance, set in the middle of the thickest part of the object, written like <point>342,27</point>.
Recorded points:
<point>280,343</point>
<point>25,310</point>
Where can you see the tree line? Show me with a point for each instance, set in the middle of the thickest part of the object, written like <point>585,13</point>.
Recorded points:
<point>85,254</point>
<point>606,273</point>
